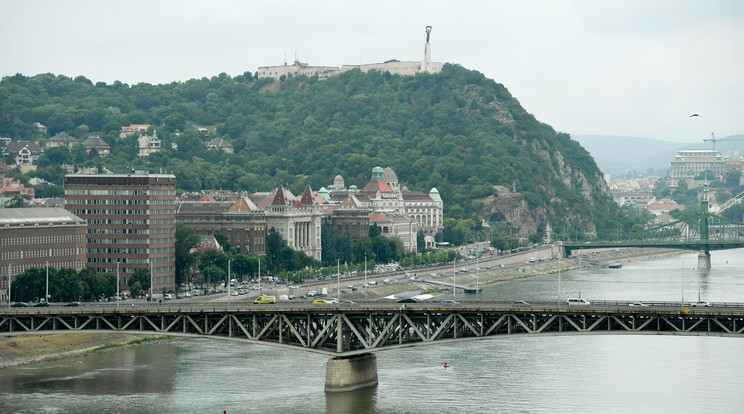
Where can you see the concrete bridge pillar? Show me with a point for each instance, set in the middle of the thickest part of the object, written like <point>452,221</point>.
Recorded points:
<point>351,373</point>
<point>704,259</point>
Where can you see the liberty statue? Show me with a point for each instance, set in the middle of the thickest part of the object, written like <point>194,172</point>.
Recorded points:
<point>428,33</point>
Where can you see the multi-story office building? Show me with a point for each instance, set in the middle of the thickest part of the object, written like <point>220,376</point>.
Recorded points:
<point>131,220</point>
<point>37,237</point>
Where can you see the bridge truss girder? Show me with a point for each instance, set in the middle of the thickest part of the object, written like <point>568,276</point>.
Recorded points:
<point>348,332</point>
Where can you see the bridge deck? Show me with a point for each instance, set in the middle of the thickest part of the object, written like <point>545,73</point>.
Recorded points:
<point>343,331</point>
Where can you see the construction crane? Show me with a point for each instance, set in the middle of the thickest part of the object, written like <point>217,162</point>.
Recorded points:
<point>711,139</point>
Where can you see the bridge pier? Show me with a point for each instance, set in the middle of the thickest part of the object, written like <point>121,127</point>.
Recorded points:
<point>704,259</point>
<point>351,373</point>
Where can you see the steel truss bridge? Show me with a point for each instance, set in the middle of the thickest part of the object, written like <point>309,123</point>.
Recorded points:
<point>341,331</point>
<point>705,233</point>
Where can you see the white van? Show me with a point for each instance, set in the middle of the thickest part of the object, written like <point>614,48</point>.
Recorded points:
<point>578,301</point>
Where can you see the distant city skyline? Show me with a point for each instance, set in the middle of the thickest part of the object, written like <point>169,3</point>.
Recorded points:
<point>631,68</point>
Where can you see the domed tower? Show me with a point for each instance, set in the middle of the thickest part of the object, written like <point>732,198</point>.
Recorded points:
<point>391,179</point>
<point>377,174</point>
<point>338,182</point>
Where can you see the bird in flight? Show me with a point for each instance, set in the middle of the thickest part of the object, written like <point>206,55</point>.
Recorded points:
<point>695,115</point>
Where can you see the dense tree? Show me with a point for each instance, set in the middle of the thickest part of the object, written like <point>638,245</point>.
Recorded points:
<point>140,281</point>
<point>456,130</point>
<point>186,239</point>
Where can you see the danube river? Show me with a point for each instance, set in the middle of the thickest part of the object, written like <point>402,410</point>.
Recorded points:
<point>573,373</point>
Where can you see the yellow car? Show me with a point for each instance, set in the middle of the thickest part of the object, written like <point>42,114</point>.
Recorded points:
<point>265,299</point>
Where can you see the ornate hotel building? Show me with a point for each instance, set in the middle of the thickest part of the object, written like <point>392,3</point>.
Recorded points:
<point>131,220</point>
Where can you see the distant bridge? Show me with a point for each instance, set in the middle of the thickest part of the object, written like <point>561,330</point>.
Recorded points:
<point>350,333</point>
<point>709,232</point>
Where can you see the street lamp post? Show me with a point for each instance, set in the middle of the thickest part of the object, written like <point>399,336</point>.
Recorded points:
<point>365,278</point>
<point>228,283</point>
<point>46,296</point>
<point>150,300</point>
<point>117,285</point>
<point>338,279</point>
<point>454,278</point>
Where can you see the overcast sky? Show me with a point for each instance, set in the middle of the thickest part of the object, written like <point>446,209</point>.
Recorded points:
<point>625,68</point>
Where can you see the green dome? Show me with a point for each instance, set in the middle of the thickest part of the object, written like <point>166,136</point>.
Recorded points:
<point>377,174</point>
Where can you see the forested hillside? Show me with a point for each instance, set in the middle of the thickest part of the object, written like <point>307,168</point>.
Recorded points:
<point>457,131</point>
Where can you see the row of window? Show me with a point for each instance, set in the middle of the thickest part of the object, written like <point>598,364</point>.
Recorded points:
<point>121,192</point>
<point>40,253</point>
<point>51,238</point>
<point>120,212</point>
<point>115,222</point>
<point>213,218</point>
<point>16,269</point>
<point>130,260</point>
<point>132,241</point>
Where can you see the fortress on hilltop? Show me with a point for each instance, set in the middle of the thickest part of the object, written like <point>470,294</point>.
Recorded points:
<point>394,67</point>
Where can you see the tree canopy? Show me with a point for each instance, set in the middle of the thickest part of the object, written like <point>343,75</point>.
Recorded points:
<point>456,130</point>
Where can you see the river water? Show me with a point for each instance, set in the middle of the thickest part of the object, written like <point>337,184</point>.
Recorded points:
<point>576,373</point>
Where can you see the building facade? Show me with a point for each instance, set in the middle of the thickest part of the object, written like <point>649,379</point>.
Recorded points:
<point>394,67</point>
<point>131,220</point>
<point>686,164</point>
<point>240,222</point>
<point>37,237</point>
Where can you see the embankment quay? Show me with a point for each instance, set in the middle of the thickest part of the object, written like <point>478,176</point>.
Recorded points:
<point>350,333</point>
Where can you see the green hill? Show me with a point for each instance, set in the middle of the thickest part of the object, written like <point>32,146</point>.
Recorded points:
<point>456,130</point>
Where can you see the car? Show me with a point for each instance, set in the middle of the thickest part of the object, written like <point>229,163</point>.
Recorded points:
<point>450,302</point>
<point>19,305</point>
<point>520,302</point>
<point>41,304</point>
<point>701,303</point>
<point>408,300</point>
<point>331,300</point>
<point>637,304</point>
<point>322,302</point>
<point>347,302</point>
<point>73,304</point>
<point>234,293</point>
<point>577,301</point>
<point>263,299</point>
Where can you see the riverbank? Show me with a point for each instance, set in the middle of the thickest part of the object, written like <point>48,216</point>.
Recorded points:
<point>511,270</point>
<point>29,349</point>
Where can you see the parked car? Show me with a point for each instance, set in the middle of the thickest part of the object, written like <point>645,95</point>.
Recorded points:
<point>450,302</point>
<point>73,304</point>
<point>408,300</point>
<point>19,305</point>
<point>638,304</point>
<point>41,304</point>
